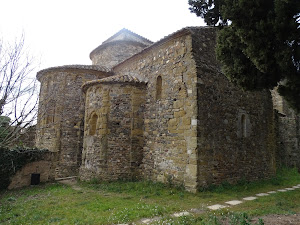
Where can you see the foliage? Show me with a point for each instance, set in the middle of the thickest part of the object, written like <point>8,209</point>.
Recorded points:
<point>18,97</point>
<point>258,43</point>
<point>209,10</point>
<point>12,160</point>
<point>4,127</point>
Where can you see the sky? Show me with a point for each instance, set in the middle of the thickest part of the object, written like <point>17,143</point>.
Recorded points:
<point>64,32</point>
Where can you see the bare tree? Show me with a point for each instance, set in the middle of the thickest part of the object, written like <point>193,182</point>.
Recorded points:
<point>18,91</point>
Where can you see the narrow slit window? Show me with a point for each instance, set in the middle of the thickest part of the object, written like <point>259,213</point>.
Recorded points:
<point>244,125</point>
<point>158,87</point>
<point>93,124</point>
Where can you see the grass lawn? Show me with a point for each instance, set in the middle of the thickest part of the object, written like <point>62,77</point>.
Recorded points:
<point>123,202</point>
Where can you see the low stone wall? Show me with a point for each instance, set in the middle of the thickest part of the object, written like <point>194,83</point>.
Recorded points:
<point>23,177</point>
<point>18,165</point>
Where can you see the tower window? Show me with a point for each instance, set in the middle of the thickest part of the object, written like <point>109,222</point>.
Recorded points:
<point>158,87</point>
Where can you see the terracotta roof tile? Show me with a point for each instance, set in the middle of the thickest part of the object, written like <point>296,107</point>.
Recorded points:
<point>123,78</point>
<point>79,67</point>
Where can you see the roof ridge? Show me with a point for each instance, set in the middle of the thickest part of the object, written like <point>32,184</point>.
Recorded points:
<point>128,31</point>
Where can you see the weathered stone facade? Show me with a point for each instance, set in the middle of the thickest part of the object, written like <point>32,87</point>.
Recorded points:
<point>194,133</point>
<point>61,113</point>
<point>235,133</point>
<point>113,134</point>
<point>170,155</point>
<point>163,112</point>
<point>288,133</point>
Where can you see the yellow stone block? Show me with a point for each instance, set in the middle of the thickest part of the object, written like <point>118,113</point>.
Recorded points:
<point>178,104</point>
<point>185,128</point>
<point>173,122</point>
<point>102,131</point>
<point>193,143</point>
<point>191,170</point>
<point>179,114</point>
<point>103,125</point>
<point>193,161</point>
<point>137,132</point>
<point>174,131</point>
<point>186,121</point>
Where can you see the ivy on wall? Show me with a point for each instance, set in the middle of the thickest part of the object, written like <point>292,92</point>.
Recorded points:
<point>12,160</point>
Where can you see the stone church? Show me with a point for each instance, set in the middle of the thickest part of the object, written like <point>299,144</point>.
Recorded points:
<point>161,111</point>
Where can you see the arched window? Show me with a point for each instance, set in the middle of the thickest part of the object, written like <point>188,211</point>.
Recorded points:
<point>244,125</point>
<point>93,124</point>
<point>158,87</point>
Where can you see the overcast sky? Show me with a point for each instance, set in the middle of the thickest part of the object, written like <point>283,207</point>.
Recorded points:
<point>64,32</point>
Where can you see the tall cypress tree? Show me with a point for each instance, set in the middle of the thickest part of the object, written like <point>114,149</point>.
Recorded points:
<point>258,43</point>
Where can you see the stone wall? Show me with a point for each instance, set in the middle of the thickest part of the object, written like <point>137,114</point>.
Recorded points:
<point>113,134</point>
<point>61,114</point>
<point>112,53</point>
<point>189,126</point>
<point>236,138</point>
<point>199,128</point>
<point>170,137</point>
<point>288,133</point>
<point>25,137</point>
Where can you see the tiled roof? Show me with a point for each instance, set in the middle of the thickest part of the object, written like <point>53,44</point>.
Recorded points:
<point>68,67</point>
<point>124,30</point>
<point>122,78</point>
<point>114,79</point>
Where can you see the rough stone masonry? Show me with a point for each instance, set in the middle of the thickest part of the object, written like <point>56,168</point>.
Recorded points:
<point>161,111</point>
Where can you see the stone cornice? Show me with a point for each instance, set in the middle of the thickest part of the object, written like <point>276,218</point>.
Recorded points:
<point>74,67</point>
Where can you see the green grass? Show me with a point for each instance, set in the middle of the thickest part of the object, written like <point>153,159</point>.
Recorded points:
<point>121,202</point>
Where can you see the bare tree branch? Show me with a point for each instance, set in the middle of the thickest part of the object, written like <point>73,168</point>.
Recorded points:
<point>18,90</point>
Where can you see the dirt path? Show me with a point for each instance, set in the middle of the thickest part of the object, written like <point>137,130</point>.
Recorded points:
<point>72,183</point>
